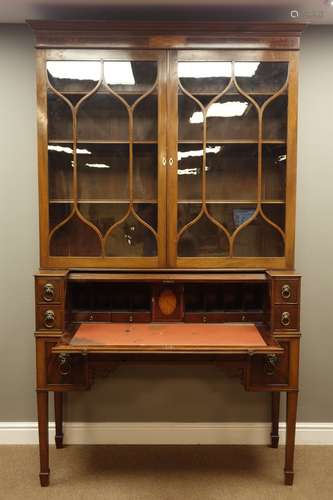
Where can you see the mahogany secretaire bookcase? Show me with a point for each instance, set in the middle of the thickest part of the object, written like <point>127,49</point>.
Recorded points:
<point>167,172</point>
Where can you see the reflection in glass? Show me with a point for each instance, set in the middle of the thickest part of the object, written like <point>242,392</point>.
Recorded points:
<point>234,118</point>
<point>204,76</point>
<point>259,239</point>
<point>104,173</point>
<point>189,171</point>
<point>59,117</point>
<point>188,130</point>
<point>60,164</point>
<point>130,76</point>
<point>75,238</point>
<point>71,76</point>
<point>203,239</point>
<point>131,239</point>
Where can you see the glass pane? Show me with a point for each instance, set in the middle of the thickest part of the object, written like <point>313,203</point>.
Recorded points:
<point>259,239</point>
<point>102,117</point>
<point>203,239</point>
<point>261,77</point>
<point>60,164</point>
<point>274,160</point>
<point>75,238</point>
<point>58,211</point>
<point>145,172</point>
<point>74,76</point>
<point>59,117</point>
<point>147,212</point>
<point>189,171</point>
<point>145,119</point>
<point>103,172</point>
<point>232,172</point>
<point>275,119</point>
<point>276,213</point>
<point>131,239</point>
<point>231,215</point>
<point>103,215</point>
<point>187,212</point>
<point>189,128</point>
<point>232,117</point>
<point>204,76</point>
<point>130,77</point>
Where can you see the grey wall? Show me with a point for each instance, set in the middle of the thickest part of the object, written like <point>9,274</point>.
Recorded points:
<point>175,392</point>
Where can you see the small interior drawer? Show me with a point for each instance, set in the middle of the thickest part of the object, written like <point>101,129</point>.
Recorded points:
<point>49,290</point>
<point>286,291</point>
<point>49,317</point>
<point>286,317</point>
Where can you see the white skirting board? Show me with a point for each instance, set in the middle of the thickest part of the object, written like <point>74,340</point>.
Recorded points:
<point>172,433</point>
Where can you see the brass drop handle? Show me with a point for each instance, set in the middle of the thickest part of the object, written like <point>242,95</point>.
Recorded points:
<point>285,318</point>
<point>286,291</point>
<point>64,364</point>
<point>48,292</point>
<point>49,319</point>
<point>170,162</point>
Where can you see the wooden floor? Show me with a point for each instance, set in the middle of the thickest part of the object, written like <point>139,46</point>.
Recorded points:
<point>166,473</point>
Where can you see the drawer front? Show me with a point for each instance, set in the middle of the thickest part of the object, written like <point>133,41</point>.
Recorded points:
<point>49,317</point>
<point>286,291</point>
<point>49,290</point>
<point>262,374</point>
<point>286,318</point>
<point>223,317</point>
<point>89,316</point>
<point>65,371</point>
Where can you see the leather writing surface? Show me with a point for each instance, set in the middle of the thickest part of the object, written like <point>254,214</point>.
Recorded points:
<point>168,334</point>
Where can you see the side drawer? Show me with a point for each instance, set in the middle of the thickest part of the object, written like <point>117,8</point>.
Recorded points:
<point>280,372</point>
<point>286,291</point>
<point>49,317</point>
<point>286,318</point>
<point>49,290</point>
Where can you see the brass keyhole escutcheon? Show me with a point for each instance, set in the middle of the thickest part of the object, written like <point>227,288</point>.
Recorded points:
<point>286,291</point>
<point>48,292</point>
<point>167,302</point>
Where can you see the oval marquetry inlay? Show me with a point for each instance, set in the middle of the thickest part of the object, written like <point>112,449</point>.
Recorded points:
<point>167,302</point>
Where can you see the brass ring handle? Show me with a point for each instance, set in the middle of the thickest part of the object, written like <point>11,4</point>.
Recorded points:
<point>49,319</point>
<point>64,364</point>
<point>286,291</point>
<point>48,292</point>
<point>285,318</point>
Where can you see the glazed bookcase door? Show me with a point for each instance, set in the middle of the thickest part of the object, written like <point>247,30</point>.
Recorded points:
<point>232,150</point>
<point>102,149</point>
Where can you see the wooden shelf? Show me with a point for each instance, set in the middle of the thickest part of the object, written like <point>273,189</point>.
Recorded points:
<point>96,141</point>
<point>232,141</point>
<point>108,201</point>
<point>232,202</point>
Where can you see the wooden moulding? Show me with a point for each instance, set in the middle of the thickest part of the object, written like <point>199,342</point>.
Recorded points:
<point>104,34</point>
